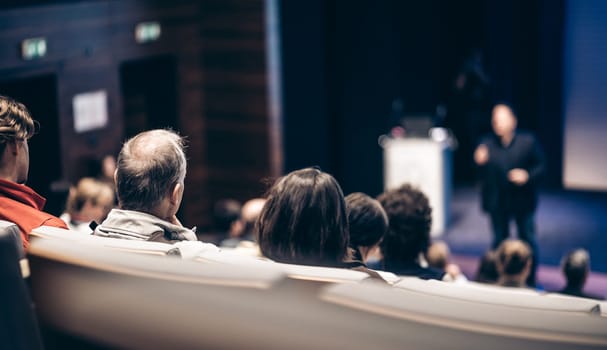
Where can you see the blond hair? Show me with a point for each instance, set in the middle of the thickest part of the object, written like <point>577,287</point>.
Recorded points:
<point>16,122</point>
<point>89,190</point>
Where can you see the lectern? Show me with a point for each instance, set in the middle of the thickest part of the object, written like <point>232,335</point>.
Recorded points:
<point>425,164</point>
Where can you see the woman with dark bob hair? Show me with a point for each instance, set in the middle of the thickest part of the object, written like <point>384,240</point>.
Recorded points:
<point>304,220</point>
<point>368,224</point>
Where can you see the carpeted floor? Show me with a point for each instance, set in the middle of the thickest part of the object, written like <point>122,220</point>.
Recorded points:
<point>565,220</point>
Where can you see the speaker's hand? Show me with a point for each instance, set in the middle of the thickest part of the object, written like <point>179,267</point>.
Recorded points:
<point>481,155</point>
<point>518,176</point>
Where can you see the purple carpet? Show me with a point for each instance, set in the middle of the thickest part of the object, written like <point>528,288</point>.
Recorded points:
<point>565,220</point>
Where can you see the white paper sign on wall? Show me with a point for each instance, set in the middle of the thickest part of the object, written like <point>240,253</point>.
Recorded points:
<point>90,111</point>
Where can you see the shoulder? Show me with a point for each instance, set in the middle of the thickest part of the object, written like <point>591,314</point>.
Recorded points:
<point>488,139</point>
<point>526,136</point>
<point>432,274</point>
<point>54,221</point>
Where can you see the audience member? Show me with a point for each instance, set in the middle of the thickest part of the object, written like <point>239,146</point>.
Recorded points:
<point>408,235</point>
<point>438,257</point>
<point>108,167</point>
<point>19,203</point>
<point>149,178</point>
<point>90,201</point>
<point>304,221</point>
<point>226,219</point>
<point>576,268</point>
<point>248,217</point>
<point>487,268</point>
<point>368,224</point>
<point>513,263</point>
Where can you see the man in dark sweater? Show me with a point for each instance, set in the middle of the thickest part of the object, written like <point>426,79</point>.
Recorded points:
<point>510,163</point>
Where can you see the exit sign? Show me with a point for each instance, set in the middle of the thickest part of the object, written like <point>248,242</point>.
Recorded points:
<point>33,48</point>
<point>146,32</point>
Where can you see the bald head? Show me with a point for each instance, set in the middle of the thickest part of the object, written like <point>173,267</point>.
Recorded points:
<point>503,120</point>
<point>250,213</point>
<point>251,209</point>
<point>149,167</point>
<point>576,266</point>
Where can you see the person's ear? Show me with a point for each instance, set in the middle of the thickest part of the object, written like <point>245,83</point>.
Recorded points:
<point>176,193</point>
<point>12,147</point>
<point>116,177</point>
<point>527,269</point>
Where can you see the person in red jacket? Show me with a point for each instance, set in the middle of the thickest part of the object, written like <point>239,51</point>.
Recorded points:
<point>19,203</point>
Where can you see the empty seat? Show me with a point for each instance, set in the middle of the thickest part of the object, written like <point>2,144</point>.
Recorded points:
<point>552,329</point>
<point>488,294</point>
<point>133,301</point>
<point>18,324</point>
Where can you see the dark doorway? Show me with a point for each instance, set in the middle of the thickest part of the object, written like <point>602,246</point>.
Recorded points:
<point>149,93</point>
<point>149,90</point>
<point>39,95</point>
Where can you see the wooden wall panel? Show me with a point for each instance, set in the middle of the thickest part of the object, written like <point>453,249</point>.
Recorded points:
<point>236,98</point>
<point>219,50</point>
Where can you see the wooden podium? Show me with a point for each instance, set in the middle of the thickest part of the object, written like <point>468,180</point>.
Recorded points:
<point>425,164</point>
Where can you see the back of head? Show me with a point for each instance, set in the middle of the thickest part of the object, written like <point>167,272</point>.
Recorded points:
<point>367,219</point>
<point>90,190</point>
<point>576,266</point>
<point>410,218</point>
<point>148,167</point>
<point>225,213</point>
<point>304,220</point>
<point>16,122</point>
<point>251,210</point>
<point>438,255</point>
<point>513,258</point>
<point>487,269</point>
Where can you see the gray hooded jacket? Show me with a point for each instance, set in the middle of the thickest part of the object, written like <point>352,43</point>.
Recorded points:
<point>136,225</point>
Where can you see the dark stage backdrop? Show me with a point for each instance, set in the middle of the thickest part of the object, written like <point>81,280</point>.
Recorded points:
<point>345,62</point>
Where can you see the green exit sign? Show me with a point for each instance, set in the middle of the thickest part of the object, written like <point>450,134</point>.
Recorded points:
<point>146,32</point>
<point>33,48</point>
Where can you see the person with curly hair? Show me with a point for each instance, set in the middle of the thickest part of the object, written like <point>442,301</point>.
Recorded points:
<point>408,236</point>
<point>19,203</point>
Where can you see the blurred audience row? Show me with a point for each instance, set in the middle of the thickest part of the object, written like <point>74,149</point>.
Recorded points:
<point>303,219</point>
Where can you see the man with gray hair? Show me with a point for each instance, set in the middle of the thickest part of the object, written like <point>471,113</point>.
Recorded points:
<point>576,267</point>
<point>149,177</point>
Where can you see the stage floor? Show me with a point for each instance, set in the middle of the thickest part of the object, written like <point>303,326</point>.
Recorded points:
<point>565,220</point>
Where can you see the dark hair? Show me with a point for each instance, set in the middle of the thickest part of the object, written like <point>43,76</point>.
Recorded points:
<point>513,256</point>
<point>487,269</point>
<point>368,220</point>
<point>304,220</point>
<point>225,213</point>
<point>410,217</point>
<point>576,265</point>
